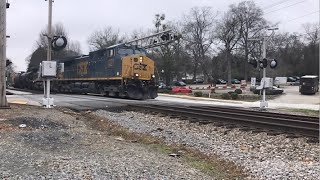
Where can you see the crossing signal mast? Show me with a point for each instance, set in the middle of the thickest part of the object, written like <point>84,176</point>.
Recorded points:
<point>155,40</point>
<point>263,64</point>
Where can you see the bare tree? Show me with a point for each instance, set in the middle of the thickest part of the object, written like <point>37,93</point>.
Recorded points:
<point>74,48</point>
<point>104,38</point>
<point>199,34</point>
<point>57,29</point>
<point>251,22</point>
<point>312,32</point>
<point>227,33</point>
<point>40,53</point>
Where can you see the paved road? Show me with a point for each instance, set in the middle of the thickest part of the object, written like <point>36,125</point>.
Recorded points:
<point>293,96</point>
<point>82,102</point>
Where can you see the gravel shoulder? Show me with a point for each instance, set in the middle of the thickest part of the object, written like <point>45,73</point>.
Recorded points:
<point>262,156</point>
<point>61,144</point>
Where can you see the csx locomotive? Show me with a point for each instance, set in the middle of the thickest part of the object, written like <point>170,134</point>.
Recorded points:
<point>121,70</point>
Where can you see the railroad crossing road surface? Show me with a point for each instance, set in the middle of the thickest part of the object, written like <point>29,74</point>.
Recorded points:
<point>81,102</point>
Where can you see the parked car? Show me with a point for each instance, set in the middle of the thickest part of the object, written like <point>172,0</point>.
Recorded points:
<point>296,77</point>
<point>181,90</point>
<point>221,81</point>
<point>180,83</point>
<point>291,79</point>
<point>198,81</point>
<point>162,85</point>
<point>235,81</point>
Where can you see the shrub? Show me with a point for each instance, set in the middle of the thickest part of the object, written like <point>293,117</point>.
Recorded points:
<point>198,94</point>
<point>238,91</point>
<point>230,92</point>
<point>234,96</point>
<point>165,91</point>
<point>205,95</point>
<point>225,96</point>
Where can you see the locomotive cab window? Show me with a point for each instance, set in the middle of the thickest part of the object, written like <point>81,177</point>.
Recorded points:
<point>125,51</point>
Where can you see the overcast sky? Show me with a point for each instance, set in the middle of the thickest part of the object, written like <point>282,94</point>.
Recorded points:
<point>26,18</point>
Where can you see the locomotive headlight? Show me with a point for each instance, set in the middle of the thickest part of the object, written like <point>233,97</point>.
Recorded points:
<point>153,76</point>
<point>141,59</point>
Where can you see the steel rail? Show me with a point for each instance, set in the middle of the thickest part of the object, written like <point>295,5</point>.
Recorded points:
<point>305,128</point>
<point>263,113</point>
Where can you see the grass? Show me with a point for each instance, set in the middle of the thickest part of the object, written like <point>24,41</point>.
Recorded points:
<point>306,112</point>
<point>211,165</point>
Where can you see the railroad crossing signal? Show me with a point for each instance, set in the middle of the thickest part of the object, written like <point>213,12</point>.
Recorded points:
<point>273,63</point>
<point>8,62</point>
<point>263,63</point>
<point>58,43</point>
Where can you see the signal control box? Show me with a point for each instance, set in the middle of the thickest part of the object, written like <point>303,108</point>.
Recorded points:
<point>49,69</point>
<point>268,82</point>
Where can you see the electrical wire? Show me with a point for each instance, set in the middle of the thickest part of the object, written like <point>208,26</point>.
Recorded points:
<point>285,7</point>
<point>301,16</point>
<point>274,4</point>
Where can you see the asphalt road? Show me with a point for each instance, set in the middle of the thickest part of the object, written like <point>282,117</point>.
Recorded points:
<point>291,99</point>
<point>86,102</point>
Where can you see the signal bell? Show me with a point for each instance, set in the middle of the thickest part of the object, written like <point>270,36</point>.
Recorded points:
<point>273,63</point>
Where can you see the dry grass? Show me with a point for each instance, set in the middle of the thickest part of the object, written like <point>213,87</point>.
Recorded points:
<point>211,165</point>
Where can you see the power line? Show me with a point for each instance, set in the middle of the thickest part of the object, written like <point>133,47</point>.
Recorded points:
<point>305,34</point>
<point>285,7</point>
<point>302,16</point>
<point>275,4</point>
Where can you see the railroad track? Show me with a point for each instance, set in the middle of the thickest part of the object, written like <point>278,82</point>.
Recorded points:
<point>236,117</point>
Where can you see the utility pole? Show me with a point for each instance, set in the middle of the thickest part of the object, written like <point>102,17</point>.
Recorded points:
<point>264,103</point>
<point>263,64</point>
<point>3,57</point>
<point>49,36</point>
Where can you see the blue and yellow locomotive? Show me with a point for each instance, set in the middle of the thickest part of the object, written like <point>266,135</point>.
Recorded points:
<point>120,70</point>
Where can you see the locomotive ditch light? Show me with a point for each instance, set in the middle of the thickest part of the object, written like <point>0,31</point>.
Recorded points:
<point>273,64</point>
<point>136,75</point>
<point>153,76</point>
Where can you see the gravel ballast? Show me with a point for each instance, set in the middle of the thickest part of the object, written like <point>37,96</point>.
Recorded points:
<point>263,156</point>
<point>61,145</point>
